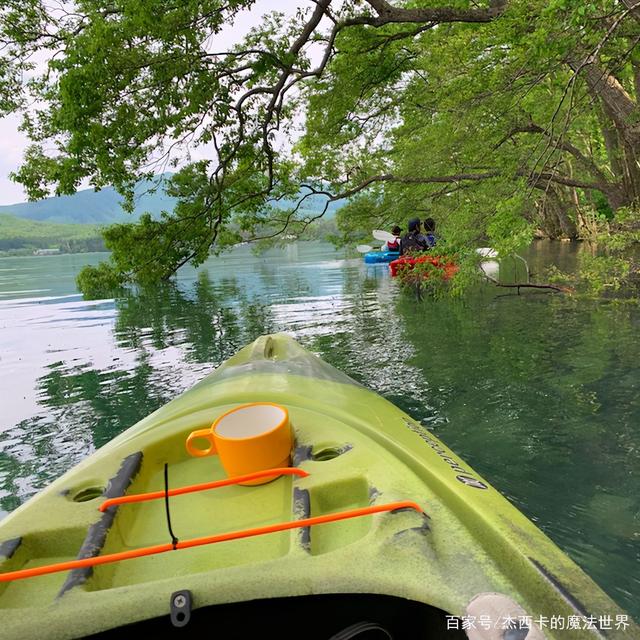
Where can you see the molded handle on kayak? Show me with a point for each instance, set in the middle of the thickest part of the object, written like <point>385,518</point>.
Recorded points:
<point>205,434</point>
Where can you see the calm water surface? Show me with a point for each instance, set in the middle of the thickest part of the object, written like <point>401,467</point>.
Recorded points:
<point>538,392</point>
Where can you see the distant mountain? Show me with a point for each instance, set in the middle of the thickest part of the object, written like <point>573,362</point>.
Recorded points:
<point>313,205</point>
<point>93,207</point>
<point>105,207</point>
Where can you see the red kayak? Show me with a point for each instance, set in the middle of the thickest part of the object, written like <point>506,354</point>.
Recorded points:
<point>406,263</point>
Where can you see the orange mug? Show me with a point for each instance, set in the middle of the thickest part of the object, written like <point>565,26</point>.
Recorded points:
<point>248,438</point>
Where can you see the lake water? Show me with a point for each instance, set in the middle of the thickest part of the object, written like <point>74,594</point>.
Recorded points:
<point>538,392</point>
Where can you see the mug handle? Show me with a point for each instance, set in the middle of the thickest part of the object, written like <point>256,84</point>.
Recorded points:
<point>205,434</point>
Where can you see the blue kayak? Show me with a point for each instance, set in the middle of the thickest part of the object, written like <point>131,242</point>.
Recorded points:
<point>377,257</point>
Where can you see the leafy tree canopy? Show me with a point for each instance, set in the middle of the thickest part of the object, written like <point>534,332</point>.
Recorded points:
<point>496,117</point>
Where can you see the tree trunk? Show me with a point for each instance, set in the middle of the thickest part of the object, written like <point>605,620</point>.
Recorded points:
<point>636,79</point>
<point>634,8</point>
<point>567,225</point>
<point>619,105</point>
<point>556,222</point>
<point>631,157</point>
<point>612,144</point>
<point>625,188</point>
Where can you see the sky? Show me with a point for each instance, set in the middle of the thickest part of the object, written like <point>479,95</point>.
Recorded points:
<point>13,142</point>
<point>12,145</point>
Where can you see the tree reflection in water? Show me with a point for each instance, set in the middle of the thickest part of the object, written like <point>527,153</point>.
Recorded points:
<point>175,335</point>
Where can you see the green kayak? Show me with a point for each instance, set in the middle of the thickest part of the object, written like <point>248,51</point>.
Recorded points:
<point>376,530</point>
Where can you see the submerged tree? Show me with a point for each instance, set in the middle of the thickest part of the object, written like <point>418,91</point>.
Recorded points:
<point>498,116</point>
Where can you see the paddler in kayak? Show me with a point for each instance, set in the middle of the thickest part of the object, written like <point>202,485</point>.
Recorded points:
<point>413,241</point>
<point>393,245</point>
<point>429,236</point>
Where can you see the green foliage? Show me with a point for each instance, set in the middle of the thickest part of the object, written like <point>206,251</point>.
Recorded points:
<point>508,230</point>
<point>599,273</point>
<point>602,206</point>
<point>611,264</point>
<point>97,281</point>
<point>363,213</point>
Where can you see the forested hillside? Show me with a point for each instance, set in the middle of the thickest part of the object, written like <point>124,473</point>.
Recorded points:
<point>25,236</point>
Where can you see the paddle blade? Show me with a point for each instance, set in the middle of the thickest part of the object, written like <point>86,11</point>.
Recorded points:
<point>364,248</point>
<point>383,235</point>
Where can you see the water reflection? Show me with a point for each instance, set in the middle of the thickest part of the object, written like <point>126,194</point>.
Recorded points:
<point>539,395</point>
<point>209,324</point>
<point>80,372</point>
<point>538,392</point>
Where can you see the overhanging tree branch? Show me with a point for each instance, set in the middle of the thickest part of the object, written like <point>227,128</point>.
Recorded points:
<point>455,179</point>
<point>564,145</point>
<point>386,13</point>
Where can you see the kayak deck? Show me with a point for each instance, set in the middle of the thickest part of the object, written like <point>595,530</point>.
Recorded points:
<point>335,484</point>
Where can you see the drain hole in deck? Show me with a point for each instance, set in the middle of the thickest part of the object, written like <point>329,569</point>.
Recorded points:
<point>327,454</point>
<point>90,493</point>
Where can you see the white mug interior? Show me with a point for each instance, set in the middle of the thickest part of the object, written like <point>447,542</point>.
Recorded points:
<point>248,422</point>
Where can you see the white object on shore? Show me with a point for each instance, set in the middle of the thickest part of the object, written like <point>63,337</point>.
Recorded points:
<point>490,268</point>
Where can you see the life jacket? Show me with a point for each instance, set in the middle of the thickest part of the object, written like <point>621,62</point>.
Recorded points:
<point>393,246</point>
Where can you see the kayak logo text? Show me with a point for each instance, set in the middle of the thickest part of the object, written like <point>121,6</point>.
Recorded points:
<point>463,475</point>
